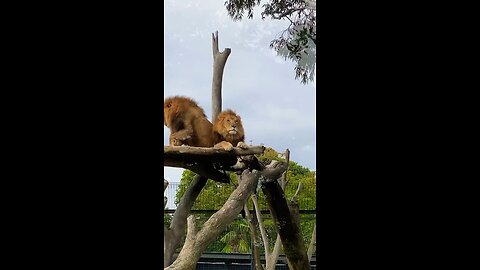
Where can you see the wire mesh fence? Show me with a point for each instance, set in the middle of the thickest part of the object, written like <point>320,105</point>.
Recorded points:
<point>306,199</point>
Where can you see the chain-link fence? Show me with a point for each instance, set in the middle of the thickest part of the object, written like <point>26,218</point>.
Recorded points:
<point>305,202</point>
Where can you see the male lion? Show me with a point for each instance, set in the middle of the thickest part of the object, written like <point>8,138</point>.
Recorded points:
<point>228,131</point>
<point>187,122</point>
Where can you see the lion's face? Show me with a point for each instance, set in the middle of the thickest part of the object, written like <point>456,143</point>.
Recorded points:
<point>231,126</point>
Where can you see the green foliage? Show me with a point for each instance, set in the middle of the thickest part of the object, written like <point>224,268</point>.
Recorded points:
<point>236,238</point>
<point>298,42</point>
<point>213,195</point>
<point>167,219</point>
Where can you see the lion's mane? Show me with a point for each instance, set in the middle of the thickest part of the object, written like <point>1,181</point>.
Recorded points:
<point>187,122</point>
<point>228,128</point>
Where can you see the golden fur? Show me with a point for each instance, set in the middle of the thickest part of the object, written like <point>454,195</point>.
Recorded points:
<point>228,131</point>
<point>187,122</point>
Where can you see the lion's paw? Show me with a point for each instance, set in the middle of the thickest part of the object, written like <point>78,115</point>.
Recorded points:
<point>224,145</point>
<point>242,145</point>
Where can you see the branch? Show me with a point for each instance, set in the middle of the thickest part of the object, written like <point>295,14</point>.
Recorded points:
<point>286,13</point>
<point>207,161</point>
<point>300,186</point>
<point>196,244</point>
<point>174,235</point>
<point>262,228</point>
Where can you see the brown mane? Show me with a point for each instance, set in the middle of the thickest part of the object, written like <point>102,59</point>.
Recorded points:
<point>187,122</point>
<point>226,121</point>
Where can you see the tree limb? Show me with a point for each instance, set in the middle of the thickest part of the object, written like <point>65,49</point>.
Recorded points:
<point>266,244</point>
<point>174,235</point>
<point>195,244</point>
<point>208,161</point>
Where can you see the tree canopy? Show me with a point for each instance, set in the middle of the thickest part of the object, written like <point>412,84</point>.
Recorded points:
<point>299,41</point>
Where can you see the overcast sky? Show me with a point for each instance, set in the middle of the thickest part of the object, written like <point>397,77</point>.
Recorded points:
<point>277,110</point>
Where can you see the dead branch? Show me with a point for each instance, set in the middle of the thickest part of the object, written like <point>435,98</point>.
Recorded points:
<point>294,197</point>
<point>266,244</point>
<point>174,234</point>
<point>219,61</point>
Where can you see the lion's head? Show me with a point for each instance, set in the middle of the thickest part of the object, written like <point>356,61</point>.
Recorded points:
<point>176,105</point>
<point>228,126</point>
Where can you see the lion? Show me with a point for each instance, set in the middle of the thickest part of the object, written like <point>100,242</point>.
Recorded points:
<point>228,131</point>
<point>187,122</point>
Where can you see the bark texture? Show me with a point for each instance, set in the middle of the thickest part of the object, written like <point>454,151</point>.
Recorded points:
<point>173,236</point>
<point>286,224</point>
<point>197,241</point>
<point>219,60</point>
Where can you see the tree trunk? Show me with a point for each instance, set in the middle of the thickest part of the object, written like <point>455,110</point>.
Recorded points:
<point>173,236</point>
<point>287,227</point>
<point>219,60</point>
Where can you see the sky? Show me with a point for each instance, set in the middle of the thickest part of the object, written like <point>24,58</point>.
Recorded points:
<point>277,111</point>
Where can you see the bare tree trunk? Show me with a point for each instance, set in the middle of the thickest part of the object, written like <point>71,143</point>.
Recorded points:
<point>174,235</point>
<point>272,259</point>
<point>219,60</point>
<point>287,227</point>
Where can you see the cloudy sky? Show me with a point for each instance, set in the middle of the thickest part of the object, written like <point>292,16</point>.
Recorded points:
<point>277,110</point>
